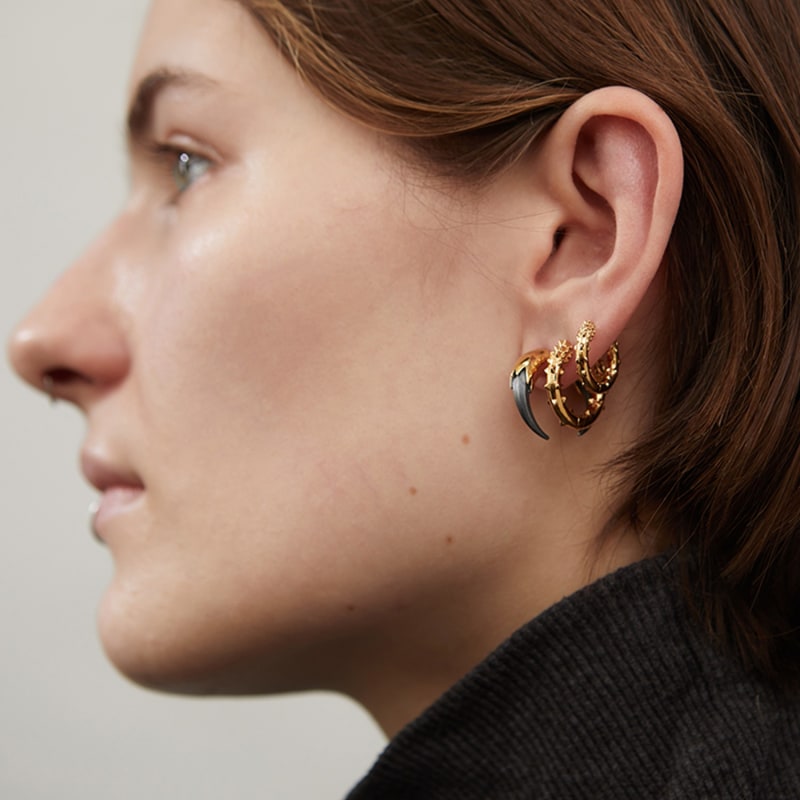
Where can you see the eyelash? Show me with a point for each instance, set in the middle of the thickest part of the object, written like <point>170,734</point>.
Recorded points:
<point>182,162</point>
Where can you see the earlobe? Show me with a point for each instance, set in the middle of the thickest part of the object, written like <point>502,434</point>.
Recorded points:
<point>613,168</point>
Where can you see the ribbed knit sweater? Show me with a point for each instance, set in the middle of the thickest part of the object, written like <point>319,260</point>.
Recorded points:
<point>612,693</point>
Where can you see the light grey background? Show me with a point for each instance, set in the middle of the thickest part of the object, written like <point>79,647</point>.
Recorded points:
<point>70,727</point>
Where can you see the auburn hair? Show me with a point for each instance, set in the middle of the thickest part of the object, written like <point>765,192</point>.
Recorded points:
<point>469,86</point>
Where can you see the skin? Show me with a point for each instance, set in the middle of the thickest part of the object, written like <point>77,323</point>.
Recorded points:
<point>300,363</point>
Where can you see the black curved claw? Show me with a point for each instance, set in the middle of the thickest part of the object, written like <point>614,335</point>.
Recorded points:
<point>520,388</point>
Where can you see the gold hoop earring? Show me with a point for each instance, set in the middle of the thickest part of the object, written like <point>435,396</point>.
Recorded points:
<point>592,383</point>
<point>523,376</point>
<point>600,378</point>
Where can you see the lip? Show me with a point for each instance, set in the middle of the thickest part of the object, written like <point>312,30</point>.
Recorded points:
<point>103,474</point>
<point>115,500</point>
<point>120,489</point>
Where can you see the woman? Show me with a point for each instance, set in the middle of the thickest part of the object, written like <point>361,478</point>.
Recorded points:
<point>348,223</point>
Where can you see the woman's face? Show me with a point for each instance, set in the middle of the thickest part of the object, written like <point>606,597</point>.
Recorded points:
<point>292,353</point>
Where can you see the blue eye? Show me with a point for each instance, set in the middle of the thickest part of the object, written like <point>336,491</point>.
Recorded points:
<point>188,168</point>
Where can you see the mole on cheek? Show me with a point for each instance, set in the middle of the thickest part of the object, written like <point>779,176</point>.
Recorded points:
<point>412,490</point>
<point>449,540</point>
<point>465,438</point>
<point>351,607</point>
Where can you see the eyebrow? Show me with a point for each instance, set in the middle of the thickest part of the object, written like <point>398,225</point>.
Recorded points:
<point>140,113</point>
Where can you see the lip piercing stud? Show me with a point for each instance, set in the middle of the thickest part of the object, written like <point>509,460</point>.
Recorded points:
<point>94,507</point>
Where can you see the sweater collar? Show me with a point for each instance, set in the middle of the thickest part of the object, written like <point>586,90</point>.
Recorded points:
<point>599,667</point>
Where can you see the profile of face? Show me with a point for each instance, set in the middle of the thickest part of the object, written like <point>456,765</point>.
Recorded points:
<point>288,347</point>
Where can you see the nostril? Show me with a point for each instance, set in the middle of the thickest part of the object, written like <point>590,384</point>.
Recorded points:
<point>57,381</point>
<point>67,354</point>
<point>63,375</point>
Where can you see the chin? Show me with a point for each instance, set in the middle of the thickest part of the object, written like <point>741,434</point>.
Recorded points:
<point>194,654</point>
<point>147,657</point>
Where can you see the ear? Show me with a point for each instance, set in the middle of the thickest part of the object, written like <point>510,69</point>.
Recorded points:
<point>612,168</point>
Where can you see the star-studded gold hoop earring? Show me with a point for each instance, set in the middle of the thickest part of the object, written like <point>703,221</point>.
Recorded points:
<point>523,376</point>
<point>559,358</point>
<point>592,383</point>
<point>600,378</point>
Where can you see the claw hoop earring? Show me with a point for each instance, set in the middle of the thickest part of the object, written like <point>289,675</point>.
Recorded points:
<point>522,379</point>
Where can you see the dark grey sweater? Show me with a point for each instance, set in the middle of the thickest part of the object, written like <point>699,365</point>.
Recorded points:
<point>611,693</point>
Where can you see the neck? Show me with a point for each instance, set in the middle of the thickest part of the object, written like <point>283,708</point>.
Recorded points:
<point>550,505</point>
<point>430,642</point>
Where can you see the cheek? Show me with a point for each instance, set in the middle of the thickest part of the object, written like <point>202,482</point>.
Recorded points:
<point>259,326</point>
<point>281,375</point>
<point>258,349</point>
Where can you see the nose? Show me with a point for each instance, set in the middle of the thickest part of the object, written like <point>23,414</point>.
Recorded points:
<point>71,345</point>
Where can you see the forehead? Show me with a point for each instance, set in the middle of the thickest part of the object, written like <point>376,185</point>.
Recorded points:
<point>215,37</point>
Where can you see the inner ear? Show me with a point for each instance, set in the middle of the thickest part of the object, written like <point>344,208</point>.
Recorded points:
<point>581,244</point>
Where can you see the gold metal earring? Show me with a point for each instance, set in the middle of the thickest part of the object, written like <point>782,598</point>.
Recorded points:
<point>600,378</point>
<point>592,383</point>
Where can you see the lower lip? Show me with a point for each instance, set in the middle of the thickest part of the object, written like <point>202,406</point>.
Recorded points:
<point>115,501</point>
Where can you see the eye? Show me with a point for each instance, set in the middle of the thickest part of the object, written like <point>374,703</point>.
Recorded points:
<point>187,168</point>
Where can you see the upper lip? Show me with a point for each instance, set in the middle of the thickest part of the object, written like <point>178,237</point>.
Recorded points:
<point>103,474</point>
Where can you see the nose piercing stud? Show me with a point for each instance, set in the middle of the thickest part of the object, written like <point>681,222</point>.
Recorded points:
<point>49,386</point>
